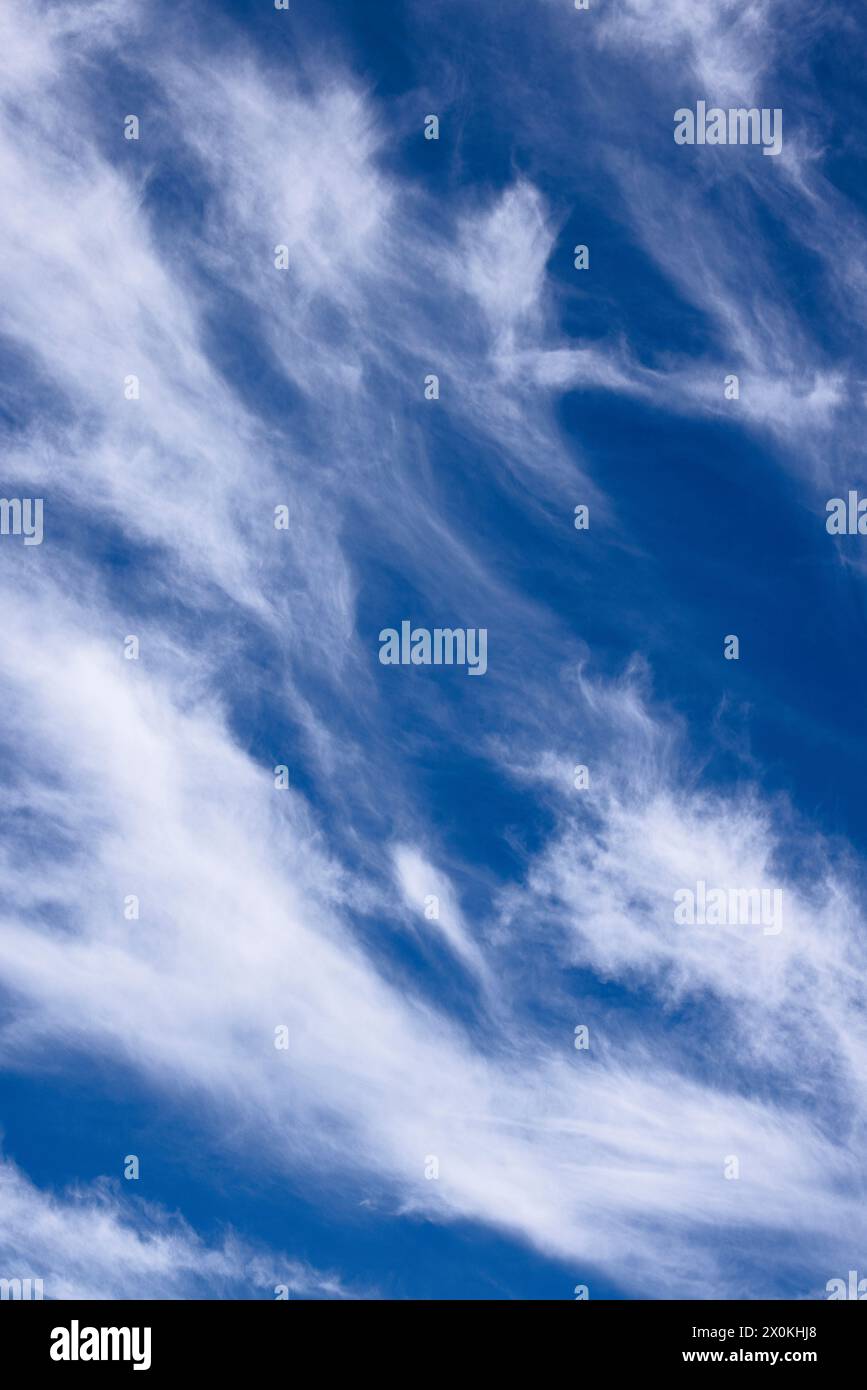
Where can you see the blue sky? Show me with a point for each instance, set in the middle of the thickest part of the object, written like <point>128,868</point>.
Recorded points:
<point>449,1036</point>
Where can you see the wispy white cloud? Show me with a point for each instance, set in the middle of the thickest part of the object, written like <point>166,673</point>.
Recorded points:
<point>429,894</point>
<point>92,1243</point>
<point>726,44</point>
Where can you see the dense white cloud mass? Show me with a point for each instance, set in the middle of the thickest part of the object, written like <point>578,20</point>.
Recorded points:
<point>259,910</point>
